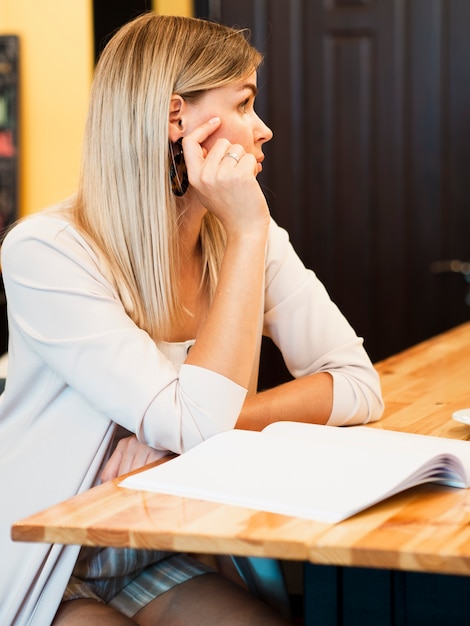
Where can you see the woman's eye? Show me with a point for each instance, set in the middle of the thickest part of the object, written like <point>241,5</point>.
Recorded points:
<point>244,105</point>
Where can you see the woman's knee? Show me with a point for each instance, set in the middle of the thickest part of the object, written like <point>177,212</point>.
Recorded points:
<point>208,600</point>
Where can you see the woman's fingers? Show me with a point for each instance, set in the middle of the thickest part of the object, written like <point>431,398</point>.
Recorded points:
<point>111,469</point>
<point>130,454</point>
<point>194,153</point>
<point>197,156</point>
<point>221,154</point>
<point>223,175</point>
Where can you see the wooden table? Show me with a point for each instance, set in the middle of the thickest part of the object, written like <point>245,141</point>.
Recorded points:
<point>426,529</point>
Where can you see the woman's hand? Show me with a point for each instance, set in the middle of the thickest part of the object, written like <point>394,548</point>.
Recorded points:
<point>130,454</point>
<point>227,340</point>
<point>226,185</point>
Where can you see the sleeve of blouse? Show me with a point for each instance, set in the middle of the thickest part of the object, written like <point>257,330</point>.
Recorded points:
<point>314,336</point>
<point>71,319</point>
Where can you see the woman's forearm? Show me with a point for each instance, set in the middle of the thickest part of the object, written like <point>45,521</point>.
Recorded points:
<point>306,399</point>
<point>228,340</point>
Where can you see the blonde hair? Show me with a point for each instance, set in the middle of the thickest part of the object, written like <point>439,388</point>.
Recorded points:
<point>124,204</point>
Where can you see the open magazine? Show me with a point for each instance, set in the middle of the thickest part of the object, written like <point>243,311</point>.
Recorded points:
<point>322,473</point>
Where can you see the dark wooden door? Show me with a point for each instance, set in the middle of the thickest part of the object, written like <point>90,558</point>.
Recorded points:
<point>369,101</point>
<point>369,170</point>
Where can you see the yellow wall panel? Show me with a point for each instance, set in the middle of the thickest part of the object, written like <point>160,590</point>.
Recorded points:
<point>56,65</point>
<point>173,7</point>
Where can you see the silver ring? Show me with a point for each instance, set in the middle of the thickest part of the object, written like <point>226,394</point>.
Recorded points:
<point>232,155</point>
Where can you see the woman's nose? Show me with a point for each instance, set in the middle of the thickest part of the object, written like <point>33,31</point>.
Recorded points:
<point>264,132</point>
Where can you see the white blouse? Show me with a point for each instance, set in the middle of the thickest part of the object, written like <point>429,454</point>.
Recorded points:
<point>78,365</point>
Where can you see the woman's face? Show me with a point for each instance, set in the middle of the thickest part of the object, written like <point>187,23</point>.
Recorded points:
<point>234,104</point>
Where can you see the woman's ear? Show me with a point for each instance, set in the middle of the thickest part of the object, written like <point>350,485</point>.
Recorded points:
<point>175,126</point>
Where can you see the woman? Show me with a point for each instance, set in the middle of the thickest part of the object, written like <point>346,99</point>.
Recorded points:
<point>140,303</point>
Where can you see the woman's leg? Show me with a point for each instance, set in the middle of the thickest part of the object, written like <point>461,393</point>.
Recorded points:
<point>91,613</point>
<point>207,600</point>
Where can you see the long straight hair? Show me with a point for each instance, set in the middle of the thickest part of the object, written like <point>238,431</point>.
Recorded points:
<point>124,205</point>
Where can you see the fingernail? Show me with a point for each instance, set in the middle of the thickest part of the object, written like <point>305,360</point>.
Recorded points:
<point>214,120</point>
